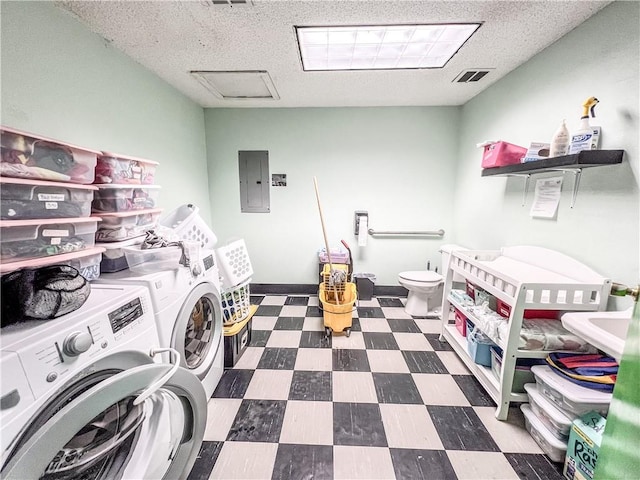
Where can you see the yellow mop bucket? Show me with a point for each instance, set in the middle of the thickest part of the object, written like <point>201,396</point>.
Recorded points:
<point>338,318</point>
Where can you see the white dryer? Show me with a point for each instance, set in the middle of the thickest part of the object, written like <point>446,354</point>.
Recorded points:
<point>83,396</point>
<point>186,302</point>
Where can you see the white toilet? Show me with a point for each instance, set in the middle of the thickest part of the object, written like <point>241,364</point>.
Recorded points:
<point>425,287</point>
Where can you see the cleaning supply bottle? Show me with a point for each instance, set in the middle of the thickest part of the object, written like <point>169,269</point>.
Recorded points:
<point>582,138</point>
<point>560,141</point>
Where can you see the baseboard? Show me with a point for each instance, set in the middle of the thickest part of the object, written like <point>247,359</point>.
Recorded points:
<point>312,289</point>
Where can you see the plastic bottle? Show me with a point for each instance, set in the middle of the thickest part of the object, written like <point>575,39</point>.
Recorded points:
<point>581,139</point>
<point>560,141</point>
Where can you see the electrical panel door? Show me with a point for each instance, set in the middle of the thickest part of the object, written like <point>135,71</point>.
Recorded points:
<point>254,181</point>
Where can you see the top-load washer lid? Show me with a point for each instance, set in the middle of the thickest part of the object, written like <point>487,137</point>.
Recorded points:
<point>425,276</point>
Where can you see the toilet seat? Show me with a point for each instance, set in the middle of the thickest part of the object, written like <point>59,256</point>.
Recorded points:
<point>421,276</point>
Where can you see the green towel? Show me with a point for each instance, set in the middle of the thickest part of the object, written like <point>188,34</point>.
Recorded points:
<point>619,456</point>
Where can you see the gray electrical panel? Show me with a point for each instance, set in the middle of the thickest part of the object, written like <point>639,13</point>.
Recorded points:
<point>254,180</point>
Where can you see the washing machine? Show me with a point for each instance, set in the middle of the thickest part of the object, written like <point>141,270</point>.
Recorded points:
<point>87,396</point>
<point>188,315</point>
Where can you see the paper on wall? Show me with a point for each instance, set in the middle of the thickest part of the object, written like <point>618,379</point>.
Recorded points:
<point>546,198</point>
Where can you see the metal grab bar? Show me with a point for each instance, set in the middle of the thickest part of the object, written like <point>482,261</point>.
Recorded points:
<point>437,233</point>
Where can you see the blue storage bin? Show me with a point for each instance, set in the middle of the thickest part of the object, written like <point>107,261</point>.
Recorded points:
<point>479,347</point>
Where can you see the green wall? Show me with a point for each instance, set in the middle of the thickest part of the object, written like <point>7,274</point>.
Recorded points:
<point>410,167</point>
<point>62,81</point>
<point>396,163</point>
<point>599,58</point>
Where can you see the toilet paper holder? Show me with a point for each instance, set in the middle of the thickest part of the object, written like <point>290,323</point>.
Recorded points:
<point>359,214</point>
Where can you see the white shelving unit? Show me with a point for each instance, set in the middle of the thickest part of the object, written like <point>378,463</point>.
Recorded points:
<point>524,277</point>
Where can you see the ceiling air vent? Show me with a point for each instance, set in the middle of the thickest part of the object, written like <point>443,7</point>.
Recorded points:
<point>238,85</point>
<point>469,76</point>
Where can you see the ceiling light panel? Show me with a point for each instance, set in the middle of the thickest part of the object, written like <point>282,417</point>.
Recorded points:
<point>381,46</point>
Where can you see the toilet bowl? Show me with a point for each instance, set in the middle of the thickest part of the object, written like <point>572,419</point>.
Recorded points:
<point>426,287</point>
<point>423,287</point>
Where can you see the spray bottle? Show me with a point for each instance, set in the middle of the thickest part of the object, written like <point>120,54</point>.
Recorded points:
<point>583,137</point>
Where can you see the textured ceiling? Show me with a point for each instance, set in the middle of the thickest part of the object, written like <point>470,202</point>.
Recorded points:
<point>172,38</point>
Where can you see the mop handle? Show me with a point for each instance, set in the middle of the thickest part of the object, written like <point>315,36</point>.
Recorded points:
<point>324,234</point>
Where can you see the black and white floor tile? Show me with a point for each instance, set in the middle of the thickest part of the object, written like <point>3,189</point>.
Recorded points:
<point>388,402</point>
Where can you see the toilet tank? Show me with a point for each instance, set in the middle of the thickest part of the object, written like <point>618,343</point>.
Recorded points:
<point>445,252</point>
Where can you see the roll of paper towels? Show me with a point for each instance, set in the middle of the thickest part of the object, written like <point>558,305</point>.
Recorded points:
<point>363,232</point>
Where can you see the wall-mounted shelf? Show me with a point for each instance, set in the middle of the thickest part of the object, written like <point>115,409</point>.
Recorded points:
<point>567,163</point>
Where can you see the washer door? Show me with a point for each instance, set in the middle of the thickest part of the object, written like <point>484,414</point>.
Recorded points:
<point>102,434</point>
<point>198,330</point>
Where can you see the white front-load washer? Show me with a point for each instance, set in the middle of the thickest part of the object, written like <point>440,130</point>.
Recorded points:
<point>84,396</point>
<point>186,302</point>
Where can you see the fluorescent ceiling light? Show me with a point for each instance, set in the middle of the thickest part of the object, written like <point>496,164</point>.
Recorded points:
<point>380,47</point>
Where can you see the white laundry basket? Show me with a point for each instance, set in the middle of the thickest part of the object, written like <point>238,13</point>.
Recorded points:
<point>189,225</point>
<point>234,264</point>
<point>236,304</point>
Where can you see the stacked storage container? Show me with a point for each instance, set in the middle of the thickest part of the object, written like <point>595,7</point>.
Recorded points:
<point>554,404</point>
<point>46,204</point>
<point>126,200</point>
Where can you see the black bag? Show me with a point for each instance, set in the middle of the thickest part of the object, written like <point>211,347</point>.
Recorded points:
<point>42,293</point>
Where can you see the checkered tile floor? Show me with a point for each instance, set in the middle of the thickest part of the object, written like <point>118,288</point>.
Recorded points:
<point>390,401</point>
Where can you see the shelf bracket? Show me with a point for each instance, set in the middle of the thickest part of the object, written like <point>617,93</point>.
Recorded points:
<point>577,174</point>
<point>527,179</point>
<point>576,184</point>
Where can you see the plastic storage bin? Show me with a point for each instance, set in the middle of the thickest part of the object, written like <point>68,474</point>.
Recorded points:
<point>522,373</point>
<point>116,227</point>
<point>461,322</point>
<point>27,239</point>
<point>187,224</point>
<point>113,257</point>
<point>25,155</point>
<point>554,448</point>
<point>152,260</point>
<point>87,262</point>
<point>558,422</point>
<point>124,198</point>
<point>118,169</point>
<point>337,256</point>
<point>568,396</point>
<point>479,347</point>
<point>504,309</point>
<point>23,198</point>
<point>236,304</point>
<point>499,154</point>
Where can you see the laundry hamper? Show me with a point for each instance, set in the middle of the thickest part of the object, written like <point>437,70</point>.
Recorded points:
<point>338,318</point>
<point>236,304</point>
<point>187,224</point>
<point>234,264</point>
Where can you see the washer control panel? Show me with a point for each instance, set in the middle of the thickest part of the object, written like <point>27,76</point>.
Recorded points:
<point>58,349</point>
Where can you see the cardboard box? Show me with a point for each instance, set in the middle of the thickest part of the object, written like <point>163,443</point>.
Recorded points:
<point>537,151</point>
<point>583,447</point>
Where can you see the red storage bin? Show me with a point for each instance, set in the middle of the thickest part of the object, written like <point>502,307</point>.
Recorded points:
<point>461,322</point>
<point>504,309</point>
<point>471,290</point>
<point>499,154</point>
